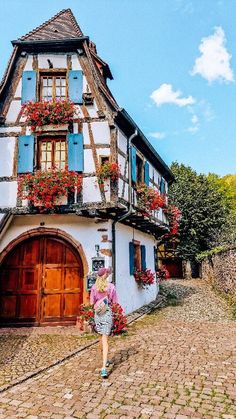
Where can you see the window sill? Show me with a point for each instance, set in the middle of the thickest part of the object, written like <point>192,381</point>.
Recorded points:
<point>52,127</point>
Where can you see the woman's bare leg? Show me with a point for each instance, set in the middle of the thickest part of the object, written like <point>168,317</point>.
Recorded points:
<point>105,349</point>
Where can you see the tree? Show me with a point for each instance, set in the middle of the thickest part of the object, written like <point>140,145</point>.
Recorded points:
<point>204,211</point>
<point>226,185</point>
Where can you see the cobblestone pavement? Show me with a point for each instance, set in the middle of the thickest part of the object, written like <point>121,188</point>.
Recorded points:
<point>179,362</point>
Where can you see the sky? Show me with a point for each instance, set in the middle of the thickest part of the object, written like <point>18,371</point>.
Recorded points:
<point>173,63</point>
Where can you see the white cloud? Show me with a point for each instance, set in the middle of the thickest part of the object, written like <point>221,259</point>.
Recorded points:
<point>158,135</point>
<point>214,61</point>
<point>166,94</point>
<point>193,129</point>
<point>194,119</point>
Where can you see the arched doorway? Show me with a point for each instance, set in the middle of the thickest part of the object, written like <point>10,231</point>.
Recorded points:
<point>41,282</point>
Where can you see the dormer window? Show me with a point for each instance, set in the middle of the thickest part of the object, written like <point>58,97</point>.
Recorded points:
<point>53,86</point>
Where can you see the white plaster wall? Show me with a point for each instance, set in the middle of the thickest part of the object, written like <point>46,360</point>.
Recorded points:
<point>91,191</point>
<point>83,230</point>
<point>58,60</point>
<point>123,184</point>
<point>7,147</point>
<point>103,152</point>
<point>121,162</point>
<point>86,134</point>
<point>75,62</point>
<point>89,165</point>
<point>101,132</point>
<point>13,111</point>
<point>130,296</point>
<point>29,63</point>
<point>18,89</point>
<point>8,194</point>
<point>4,130</point>
<point>122,141</point>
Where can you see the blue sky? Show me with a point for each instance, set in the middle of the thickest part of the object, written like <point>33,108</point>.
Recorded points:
<point>174,68</point>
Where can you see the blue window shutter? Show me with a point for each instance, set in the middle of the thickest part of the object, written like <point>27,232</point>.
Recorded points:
<point>146,173</point>
<point>28,91</point>
<point>162,186</point>
<point>25,154</point>
<point>76,86</point>
<point>133,165</point>
<point>131,258</point>
<point>143,257</point>
<point>76,152</point>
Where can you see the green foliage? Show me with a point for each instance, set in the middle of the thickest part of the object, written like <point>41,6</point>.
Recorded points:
<point>204,208</point>
<point>212,252</point>
<point>226,185</point>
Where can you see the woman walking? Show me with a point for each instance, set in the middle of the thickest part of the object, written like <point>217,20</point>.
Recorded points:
<point>103,294</point>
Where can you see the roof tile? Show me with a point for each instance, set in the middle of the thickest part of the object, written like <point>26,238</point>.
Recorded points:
<point>61,26</point>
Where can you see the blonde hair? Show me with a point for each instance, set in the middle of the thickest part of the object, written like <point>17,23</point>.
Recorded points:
<point>102,283</point>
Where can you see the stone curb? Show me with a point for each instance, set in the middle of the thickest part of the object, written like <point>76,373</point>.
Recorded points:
<point>137,314</point>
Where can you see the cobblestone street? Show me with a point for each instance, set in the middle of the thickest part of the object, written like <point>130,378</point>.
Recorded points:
<point>178,362</point>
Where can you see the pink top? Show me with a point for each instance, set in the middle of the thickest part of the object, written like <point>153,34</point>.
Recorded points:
<point>96,295</point>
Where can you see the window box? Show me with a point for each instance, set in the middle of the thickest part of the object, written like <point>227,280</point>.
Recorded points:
<point>55,113</point>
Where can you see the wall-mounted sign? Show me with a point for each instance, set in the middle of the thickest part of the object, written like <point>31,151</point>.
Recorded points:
<point>90,279</point>
<point>97,263</point>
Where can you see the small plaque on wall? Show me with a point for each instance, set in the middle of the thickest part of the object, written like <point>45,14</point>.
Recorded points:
<point>91,279</point>
<point>97,263</point>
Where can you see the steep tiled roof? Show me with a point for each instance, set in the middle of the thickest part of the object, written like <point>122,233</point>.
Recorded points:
<point>61,26</point>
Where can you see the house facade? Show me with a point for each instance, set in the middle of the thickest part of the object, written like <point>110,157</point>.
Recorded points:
<point>48,258</point>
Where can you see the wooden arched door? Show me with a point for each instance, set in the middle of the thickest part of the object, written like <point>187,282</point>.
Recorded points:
<point>41,282</point>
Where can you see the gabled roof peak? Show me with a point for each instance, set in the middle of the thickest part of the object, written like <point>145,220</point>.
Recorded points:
<point>61,26</point>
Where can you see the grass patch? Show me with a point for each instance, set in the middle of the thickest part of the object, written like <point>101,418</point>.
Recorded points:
<point>228,298</point>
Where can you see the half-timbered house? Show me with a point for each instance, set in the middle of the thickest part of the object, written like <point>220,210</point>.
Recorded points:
<point>47,259</point>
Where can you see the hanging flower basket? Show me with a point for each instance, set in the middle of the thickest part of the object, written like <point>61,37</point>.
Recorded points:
<point>144,278</point>
<point>44,189</point>
<point>174,215</point>
<point>54,112</point>
<point>149,199</point>
<point>108,171</point>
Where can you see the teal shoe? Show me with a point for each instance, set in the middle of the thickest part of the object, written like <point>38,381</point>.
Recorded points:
<point>103,373</point>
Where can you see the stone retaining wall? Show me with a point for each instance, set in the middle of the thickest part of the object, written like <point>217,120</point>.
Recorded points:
<point>220,270</point>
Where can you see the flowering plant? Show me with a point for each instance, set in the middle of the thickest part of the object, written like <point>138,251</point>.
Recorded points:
<point>163,274</point>
<point>144,277</point>
<point>48,112</point>
<point>106,171</point>
<point>86,313</point>
<point>46,188</point>
<point>173,214</point>
<point>149,199</point>
<point>119,319</point>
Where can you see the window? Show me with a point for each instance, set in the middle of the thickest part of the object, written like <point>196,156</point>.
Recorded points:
<point>139,169</point>
<point>104,160</point>
<point>52,153</point>
<point>53,86</point>
<point>137,257</point>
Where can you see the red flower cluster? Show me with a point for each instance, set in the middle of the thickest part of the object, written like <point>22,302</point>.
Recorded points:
<point>144,278</point>
<point>46,188</point>
<point>174,214</point>
<point>86,313</point>
<point>150,199</point>
<point>108,171</point>
<point>119,319</point>
<point>163,274</point>
<point>48,112</point>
